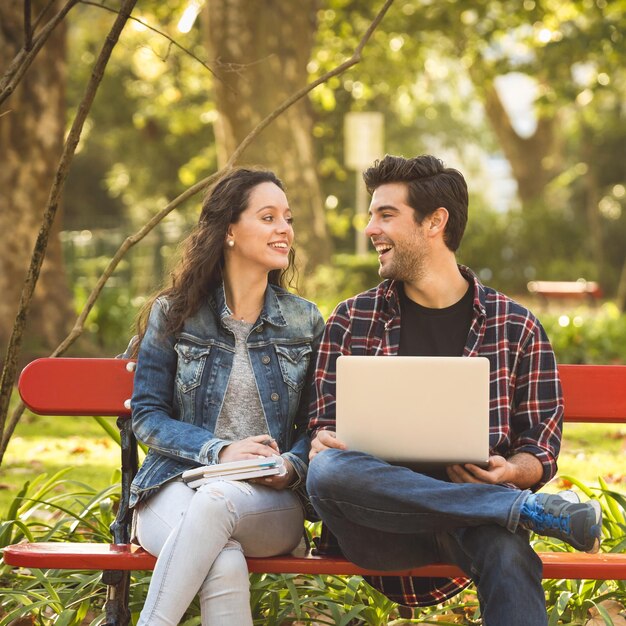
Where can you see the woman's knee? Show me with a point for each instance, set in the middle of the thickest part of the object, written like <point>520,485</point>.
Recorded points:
<point>229,571</point>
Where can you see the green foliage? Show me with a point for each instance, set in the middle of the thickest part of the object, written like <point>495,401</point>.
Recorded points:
<point>571,600</point>
<point>588,335</point>
<point>150,135</point>
<point>110,323</point>
<point>348,275</point>
<point>54,509</point>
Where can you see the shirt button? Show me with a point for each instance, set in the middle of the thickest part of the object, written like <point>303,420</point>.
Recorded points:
<point>275,397</point>
<point>259,329</point>
<point>265,359</point>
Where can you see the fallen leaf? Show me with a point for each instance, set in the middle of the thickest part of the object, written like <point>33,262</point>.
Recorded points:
<point>613,608</point>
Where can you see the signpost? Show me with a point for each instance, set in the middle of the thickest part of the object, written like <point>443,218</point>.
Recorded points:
<point>363,144</point>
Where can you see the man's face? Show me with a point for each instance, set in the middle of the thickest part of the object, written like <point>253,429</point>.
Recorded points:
<point>399,240</point>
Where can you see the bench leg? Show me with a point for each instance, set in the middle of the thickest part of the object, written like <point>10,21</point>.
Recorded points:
<point>116,608</point>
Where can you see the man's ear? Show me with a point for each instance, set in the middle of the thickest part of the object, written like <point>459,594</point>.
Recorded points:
<point>438,220</point>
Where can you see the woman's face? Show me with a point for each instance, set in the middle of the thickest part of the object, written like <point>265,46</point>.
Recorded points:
<point>264,233</point>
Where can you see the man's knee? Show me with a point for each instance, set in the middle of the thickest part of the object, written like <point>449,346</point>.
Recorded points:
<point>507,554</point>
<point>322,474</point>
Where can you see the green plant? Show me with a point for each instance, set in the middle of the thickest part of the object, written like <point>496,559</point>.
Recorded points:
<point>570,601</point>
<point>588,335</point>
<point>54,509</point>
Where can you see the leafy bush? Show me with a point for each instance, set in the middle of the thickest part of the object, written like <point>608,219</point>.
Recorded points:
<point>55,509</point>
<point>588,335</point>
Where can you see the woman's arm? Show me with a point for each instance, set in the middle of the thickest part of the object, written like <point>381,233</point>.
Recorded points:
<point>153,414</point>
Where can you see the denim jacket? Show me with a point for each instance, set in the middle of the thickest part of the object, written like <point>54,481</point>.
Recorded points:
<point>181,381</point>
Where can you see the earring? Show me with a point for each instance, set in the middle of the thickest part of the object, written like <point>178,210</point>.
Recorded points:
<point>230,243</point>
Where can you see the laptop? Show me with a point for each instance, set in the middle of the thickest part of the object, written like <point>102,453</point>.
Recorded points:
<point>415,410</point>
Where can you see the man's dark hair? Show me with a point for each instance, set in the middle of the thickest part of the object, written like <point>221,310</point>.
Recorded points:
<point>430,185</point>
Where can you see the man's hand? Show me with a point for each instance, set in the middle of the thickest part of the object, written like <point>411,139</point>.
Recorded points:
<point>323,440</point>
<point>249,448</point>
<point>522,470</point>
<point>496,473</point>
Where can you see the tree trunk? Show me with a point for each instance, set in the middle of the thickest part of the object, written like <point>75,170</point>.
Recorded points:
<point>533,159</point>
<point>263,48</point>
<point>32,125</point>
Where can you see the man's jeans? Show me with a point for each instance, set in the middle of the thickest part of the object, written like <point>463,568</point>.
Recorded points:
<point>388,517</point>
<point>200,538</point>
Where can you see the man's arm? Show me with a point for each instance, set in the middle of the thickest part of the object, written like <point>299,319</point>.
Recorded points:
<point>322,410</point>
<point>535,420</point>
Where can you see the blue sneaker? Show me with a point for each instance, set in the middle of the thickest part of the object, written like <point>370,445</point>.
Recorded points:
<point>563,516</point>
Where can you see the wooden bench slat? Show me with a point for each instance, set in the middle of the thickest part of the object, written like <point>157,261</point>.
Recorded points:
<point>594,392</point>
<point>77,386</point>
<point>101,556</point>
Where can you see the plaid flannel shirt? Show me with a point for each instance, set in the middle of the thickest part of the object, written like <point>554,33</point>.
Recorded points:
<point>526,402</point>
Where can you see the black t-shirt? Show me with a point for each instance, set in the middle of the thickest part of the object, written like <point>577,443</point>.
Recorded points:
<point>434,332</point>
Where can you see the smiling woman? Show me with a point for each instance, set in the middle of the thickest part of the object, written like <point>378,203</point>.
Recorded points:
<point>258,243</point>
<point>225,356</point>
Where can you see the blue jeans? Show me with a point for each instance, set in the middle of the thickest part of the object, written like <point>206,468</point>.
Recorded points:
<point>200,538</point>
<point>388,517</point>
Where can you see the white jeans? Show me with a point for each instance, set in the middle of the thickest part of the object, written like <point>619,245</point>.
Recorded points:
<point>200,538</point>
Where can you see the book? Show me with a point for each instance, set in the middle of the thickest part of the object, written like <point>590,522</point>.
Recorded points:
<point>235,470</point>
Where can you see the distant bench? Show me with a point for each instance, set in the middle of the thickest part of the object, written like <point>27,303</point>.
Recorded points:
<point>566,290</point>
<point>81,387</point>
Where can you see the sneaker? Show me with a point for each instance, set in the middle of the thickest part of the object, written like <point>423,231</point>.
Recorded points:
<point>563,516</point>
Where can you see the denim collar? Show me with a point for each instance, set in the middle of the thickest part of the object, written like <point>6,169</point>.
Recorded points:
<point>271,312</point>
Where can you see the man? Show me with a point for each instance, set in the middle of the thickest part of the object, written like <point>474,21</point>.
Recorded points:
<point>390,517</point>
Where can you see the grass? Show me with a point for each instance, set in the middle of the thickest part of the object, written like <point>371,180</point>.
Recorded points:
<point>48,444</point>
<point>592,450</point>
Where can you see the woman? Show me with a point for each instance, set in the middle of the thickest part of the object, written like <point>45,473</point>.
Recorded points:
<point>223,370</point>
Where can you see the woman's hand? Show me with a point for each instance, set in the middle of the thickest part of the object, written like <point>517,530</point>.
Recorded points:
<point>249,448</point>
<point>279,482</point>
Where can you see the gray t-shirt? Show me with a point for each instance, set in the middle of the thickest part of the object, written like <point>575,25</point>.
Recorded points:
<point>242,413</point>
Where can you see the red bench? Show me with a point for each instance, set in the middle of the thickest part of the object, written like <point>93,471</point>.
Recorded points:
<point>593,393</point>
<point>580,289</point>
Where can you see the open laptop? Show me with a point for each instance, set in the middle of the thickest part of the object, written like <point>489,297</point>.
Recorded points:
<point>415,410</point>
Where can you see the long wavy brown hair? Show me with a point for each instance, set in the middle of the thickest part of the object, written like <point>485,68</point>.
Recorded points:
<point>199,269</point>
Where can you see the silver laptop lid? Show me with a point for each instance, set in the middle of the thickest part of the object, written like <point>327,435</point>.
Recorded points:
<point>415,409</point>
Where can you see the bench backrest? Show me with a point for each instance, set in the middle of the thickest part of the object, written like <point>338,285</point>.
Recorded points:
<point>593,393</point>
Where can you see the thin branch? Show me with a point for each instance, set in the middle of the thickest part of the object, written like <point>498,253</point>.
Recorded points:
<point>199,186</point>
<point>28,29</point>
<point>158,32</point>
<point>42,14</point>
<point>24,58</point>
<point>10,362</point>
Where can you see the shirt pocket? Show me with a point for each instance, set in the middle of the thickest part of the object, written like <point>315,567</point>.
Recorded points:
<point>294,362</point>
<point>191,361</point>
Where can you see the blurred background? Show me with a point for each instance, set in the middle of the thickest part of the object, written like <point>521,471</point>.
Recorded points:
<point>527,99</point>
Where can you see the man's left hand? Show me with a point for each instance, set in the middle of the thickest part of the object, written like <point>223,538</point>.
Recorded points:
<point>496,473</point>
